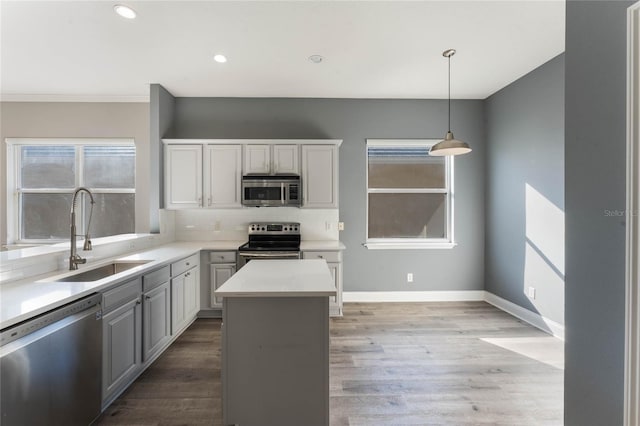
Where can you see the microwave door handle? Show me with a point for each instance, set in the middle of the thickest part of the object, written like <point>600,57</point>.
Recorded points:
<point>282,197</point>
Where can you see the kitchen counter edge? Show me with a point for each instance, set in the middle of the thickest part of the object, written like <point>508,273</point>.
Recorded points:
<point>42,293</point>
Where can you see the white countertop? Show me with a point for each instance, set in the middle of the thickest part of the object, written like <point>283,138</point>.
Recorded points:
<point>321,245</point>
<point>280,278</point>
<point>24,299</point>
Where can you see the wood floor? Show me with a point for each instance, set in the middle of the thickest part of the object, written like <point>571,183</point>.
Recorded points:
<point>454,363</point>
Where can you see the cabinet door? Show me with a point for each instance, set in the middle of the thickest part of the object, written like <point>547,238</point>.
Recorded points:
<point>178,313</point>
<point>257,159</point>
<point>183,176</point>
<point>220,273</point>
<point>184,299</point>
<point>285,159</point>
<point>223,176</point>
<point>320,176</point>
<point>192,293</point>
<point>121,345</point>
<point>157,320</point>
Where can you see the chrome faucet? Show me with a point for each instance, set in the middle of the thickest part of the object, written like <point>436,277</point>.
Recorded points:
<point>74,257</point>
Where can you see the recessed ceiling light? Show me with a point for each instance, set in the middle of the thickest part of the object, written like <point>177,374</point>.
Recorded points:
<point>316,59</point>
<point>220,58</point>
<point>125,11</point>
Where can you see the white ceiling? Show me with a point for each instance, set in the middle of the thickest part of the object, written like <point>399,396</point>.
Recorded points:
<point>57,50</point>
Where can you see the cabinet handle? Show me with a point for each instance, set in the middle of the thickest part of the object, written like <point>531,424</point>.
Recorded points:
<point>187,274</point>
<point>321,257</point>
<point>138,302</point>
<point>188,263</point>
<point>147,297</point>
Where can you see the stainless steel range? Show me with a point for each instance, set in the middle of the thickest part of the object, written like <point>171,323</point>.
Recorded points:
<point>270,240</point>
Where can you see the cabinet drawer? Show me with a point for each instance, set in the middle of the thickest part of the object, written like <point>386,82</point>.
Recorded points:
<point>155,278</point>
<point>120,295</point>
<point>222,257</point>
<point>183,265</point>
<point>329,256</point>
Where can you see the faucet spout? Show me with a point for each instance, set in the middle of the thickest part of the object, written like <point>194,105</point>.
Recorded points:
<point>74,257</point>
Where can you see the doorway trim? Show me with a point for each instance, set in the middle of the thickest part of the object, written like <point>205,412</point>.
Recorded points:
<point>632,306</point>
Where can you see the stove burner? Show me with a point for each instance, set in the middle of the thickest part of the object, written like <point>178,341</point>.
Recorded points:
<point>273,236</point>
<point>277,240</point>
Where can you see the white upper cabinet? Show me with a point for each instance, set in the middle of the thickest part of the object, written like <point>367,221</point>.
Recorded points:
<point>222,176</point>
<point>285,159</point>
<point>271,159</point>
<point>207,173</point>
<point>257,159</point>
<point>320,176</point>
<point>183,176</point>
<point>192,181</point>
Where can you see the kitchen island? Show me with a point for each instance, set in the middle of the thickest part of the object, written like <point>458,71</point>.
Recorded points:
<point>275,343</point>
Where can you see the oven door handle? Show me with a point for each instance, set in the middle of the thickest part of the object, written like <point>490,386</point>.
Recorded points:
<point>270,255</point>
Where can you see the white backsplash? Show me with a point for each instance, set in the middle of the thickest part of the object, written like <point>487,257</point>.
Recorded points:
<point>232,224</point>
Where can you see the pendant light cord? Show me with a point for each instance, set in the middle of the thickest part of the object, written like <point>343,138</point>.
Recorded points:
<point>449,58</point>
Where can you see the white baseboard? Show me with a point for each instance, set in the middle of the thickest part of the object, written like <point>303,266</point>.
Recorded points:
<point>413,296</point>
<point>536,320</point>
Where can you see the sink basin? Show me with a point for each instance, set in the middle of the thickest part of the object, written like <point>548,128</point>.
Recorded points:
<point>101,272</point>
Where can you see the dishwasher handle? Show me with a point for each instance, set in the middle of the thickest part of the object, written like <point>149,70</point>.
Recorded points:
<point>71,312</point>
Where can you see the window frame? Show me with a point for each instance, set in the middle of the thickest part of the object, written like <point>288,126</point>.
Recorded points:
<point>14,189</point>
<point>412,243</point>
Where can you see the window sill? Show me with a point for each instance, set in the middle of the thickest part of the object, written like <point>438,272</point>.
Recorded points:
<point>410,246</point>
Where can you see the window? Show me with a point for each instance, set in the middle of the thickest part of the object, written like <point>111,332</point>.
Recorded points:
<point>46,173</point>
<point>409,195</point>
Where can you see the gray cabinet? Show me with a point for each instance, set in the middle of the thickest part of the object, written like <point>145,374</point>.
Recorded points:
<point>334,262</point>
<point>121,338</point>
<point>220,273</point>
<point>156,314</point>
<point>320,176</point>
<point>185,292</point>
<point>142,316</point>
<point>221,267</point>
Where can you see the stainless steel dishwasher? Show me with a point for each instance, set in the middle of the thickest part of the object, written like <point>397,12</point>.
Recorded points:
<point>51,367</point>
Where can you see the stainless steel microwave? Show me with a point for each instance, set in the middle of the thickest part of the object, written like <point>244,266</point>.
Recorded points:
<point>271,191</point>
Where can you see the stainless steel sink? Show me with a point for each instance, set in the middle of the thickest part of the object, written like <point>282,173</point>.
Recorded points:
<point>102,271</point>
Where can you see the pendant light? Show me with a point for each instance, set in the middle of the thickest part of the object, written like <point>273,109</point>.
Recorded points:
<point>450,145</point>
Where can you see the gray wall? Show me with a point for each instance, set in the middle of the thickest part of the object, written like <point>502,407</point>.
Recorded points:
<point>595,182</point>
<point>525,153</point>
<point>161,121</point>
<point>80,120</point>
<point>352,120</point>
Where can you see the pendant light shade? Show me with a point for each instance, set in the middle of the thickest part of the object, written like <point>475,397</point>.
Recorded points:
<point>450,145</point>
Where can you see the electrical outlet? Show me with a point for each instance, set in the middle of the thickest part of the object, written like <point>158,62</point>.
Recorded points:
<point>340,226</point>
<point>409,277</point>
<point>531,292</point>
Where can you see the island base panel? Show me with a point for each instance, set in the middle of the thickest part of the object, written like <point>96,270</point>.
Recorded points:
<point>275,361</point>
